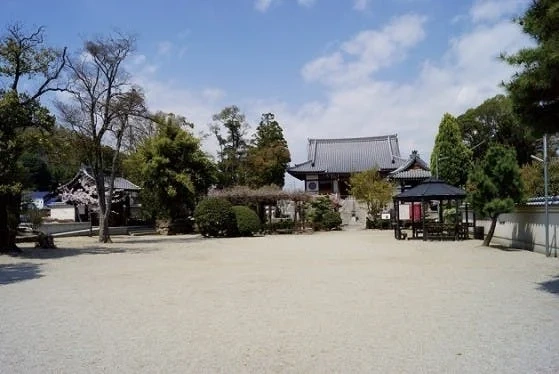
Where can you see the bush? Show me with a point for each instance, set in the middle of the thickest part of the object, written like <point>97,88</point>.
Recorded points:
<point>247,220</point>
<point>324,215</point>
<point>381,224</point>
<point>449,215</point>
<point>320,206</point>
<point>215,217</point>
<point>284,225</point>
<point>331,220</point>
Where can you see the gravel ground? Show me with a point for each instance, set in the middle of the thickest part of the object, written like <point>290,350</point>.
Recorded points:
<point>345,302</point>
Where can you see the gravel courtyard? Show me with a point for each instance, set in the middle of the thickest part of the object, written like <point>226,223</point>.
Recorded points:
<point>345,302</point>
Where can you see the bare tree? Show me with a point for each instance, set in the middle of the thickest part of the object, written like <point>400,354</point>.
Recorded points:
<point>102,103</point>
<point>24,58</point>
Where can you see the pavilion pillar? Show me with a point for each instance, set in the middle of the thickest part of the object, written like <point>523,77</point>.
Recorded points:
<point>412,219</point>
<point>467,233</point>
<point>396,204</point>
<point>423,218</point>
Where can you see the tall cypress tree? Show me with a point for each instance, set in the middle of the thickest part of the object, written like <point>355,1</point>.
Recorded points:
<point>450,158</point>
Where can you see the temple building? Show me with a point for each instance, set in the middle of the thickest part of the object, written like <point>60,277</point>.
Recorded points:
<point>331,162</point>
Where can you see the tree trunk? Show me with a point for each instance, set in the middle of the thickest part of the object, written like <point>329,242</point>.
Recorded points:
<point>104,236</point>
<point>489,236</point>
<point>9,220</point>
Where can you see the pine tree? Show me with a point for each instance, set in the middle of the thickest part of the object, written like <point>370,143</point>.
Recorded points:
<point>495,185</point>
<point>535,89</point>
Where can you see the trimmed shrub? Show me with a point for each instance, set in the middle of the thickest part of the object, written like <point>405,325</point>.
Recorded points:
<point>215,217</point>
<point>324,214</point>
<point>282,226</point>
<point>248,222</point>
<point>331,220</point>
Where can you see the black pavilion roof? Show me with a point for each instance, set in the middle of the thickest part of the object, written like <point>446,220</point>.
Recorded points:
<point>432,189</point>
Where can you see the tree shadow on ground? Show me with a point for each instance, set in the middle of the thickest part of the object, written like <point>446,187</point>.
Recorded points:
<point>167,240</point>
<point>12,273</point>
<point>551,286</point>
<point>505,248</point>
<point>39,253</point>
<point>117,247</point>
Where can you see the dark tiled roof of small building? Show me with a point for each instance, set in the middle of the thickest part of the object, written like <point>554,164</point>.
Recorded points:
<point>432,189</point>
<point>413,174</point>
<point>413,169</point>
<point>125,184</point>
<point>350,155</point>
<point>119,184</point>
<point>413,160</point>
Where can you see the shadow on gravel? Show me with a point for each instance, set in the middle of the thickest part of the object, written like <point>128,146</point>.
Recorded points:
<point>551,286</point>
<point>12,273</point>
<point>132,245</point>
<point>159,240</point>
<point>39,253</point>
<point>505,248</point>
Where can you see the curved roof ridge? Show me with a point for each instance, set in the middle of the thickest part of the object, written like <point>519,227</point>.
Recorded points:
<point>363,138</point>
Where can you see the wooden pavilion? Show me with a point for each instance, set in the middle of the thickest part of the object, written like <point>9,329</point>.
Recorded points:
<point>426,228</point>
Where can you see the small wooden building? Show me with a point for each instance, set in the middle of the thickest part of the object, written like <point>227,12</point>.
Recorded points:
<point>331,162</point>
<point>411,173</point>
<point>125,200</point>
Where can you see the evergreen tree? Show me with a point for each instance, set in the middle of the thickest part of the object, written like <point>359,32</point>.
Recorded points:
<point>233,146</point>
<point>535,89</point>
<point>268,155</point>
<point>28,70</point>
<point>172,170</point>
<point>495,185</point>
<point>451,158</point>
<point>494,121</point>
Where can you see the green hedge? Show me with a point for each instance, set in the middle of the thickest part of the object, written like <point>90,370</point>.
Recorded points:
<point>331,220</point>
<point>247,220</point>
<point>215,217</point>
<point>284,225</point>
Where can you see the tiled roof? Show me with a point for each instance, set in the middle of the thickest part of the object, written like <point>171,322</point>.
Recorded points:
<point>350,155</point>
<point>432,189</point>
<point>411,174</point>
<point>120,183</point>
<point>540,201</point>
<point>413,168</point>
<point>413,160</point>
<point>125,184</point>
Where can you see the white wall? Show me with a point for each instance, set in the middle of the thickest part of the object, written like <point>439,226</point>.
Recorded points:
<point>63,213</point>
<point>525,229</point>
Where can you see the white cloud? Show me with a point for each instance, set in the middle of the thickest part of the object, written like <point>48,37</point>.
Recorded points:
<point>492,10</point>
<point>182,52</point>
<point>359,102</point>
<point>213,94</point>
<point>367,52</point>
<point>361,5</point>
<point>164,47</point>
<point>306,3</point>
<point>263,5</point>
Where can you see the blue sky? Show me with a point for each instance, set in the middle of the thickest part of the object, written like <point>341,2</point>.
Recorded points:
<point>327,68</point>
